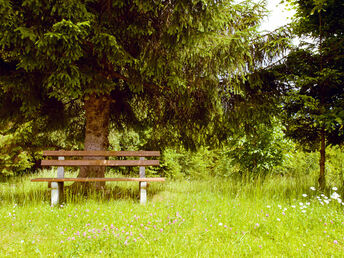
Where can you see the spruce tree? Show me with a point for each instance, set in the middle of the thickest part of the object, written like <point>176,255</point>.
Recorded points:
<point>314,73</point>
<point>104,55</point>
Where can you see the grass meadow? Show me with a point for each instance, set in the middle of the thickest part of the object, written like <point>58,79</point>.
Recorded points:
<point>277,216</point>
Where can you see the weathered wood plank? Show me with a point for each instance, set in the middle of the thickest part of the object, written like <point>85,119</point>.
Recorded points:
<point>101,153</point>
<point>112,163</point>
<point>92,179</point>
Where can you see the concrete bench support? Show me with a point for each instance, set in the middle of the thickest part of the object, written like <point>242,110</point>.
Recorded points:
<point>57,187</point>
<point>143,185</point>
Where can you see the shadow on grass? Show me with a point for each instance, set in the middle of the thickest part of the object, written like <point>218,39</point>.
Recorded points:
<point>71,195</point>
<point>75,193</point>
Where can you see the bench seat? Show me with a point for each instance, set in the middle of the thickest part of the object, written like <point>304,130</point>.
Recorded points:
<point>99,179</point>
<point>102,163</point>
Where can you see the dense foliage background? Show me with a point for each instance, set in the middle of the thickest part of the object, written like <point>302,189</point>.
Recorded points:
<point>194,79</point>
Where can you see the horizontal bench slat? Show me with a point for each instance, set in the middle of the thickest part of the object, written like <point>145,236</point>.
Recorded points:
<point>92,179</point>
<point>101,153</point>
<point>112,163</point>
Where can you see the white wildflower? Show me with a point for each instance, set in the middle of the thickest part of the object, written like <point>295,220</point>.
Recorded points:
<point>335,196</point>
<point>334,188</point>
<point>312,188</point>
<point>304,195</point>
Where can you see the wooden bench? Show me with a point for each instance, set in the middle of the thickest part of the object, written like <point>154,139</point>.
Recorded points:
<point>57,183</point>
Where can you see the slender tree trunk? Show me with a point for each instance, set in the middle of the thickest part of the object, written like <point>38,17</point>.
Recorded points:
<point>97,110</point>
<point>322,180</point>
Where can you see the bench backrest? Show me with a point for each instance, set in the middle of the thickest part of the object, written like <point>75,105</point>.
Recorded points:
<point>63,153</point>
<point>97,162</point>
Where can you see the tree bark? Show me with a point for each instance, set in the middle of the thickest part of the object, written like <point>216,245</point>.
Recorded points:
<point>97,111</point>
<point>322,179</point>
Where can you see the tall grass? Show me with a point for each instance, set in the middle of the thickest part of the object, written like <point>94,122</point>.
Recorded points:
<point>186,218</point>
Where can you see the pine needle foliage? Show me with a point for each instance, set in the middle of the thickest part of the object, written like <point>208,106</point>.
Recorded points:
<point>159,62</point>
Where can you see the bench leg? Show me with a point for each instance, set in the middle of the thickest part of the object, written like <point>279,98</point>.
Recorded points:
<point>143,192</point>
<point>56,193</point>
<point>143,185</point>
<point>57,187</point>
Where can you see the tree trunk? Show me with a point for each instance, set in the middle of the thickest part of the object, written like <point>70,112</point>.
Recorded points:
<point>322,89</point>
<point>322,180</point>
<point>97,110</point>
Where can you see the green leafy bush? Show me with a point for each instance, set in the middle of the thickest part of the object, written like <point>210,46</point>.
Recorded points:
<point>335,165</point>
<point>260,151</point>
<point>13,156</point>
<point>297,162</point>
<point>173,163</point>
<point>203,163</point>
